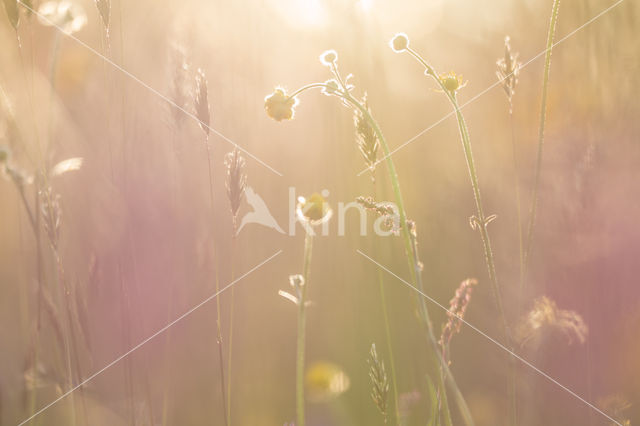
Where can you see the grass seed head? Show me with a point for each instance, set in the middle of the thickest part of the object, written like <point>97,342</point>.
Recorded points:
<point>236,181</point>
<point>379,381</point>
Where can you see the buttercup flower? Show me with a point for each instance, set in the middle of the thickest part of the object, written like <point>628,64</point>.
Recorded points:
<point>399,42</point>
<point>314,210</point>
<point>451,81</point>
<point>279,106</point>
<point>328,57</point>
<point>67,16</point>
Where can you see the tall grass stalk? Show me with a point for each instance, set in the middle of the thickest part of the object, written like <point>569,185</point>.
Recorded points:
<point>217,279</point>
<point>543,115</point>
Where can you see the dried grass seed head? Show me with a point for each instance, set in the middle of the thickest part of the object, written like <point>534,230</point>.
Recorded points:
<point>508,69</point>
<point>201,101</point>
<point>366,137</point>
<point>236,180</point>
<point>379,381</point>
<point>546,320</point>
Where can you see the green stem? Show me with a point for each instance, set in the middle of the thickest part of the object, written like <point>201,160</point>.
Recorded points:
<point>387,329</point>
<point>218,317</point>
<point>482,220</point>
<point>302,319</point>
<point>413,264</point>
<point>543,116</point>
<point>233,251</point>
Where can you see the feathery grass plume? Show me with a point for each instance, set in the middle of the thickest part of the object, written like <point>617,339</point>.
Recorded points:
<point>457,308</point>
<point>104,8</point>
<point>11,7</point>
<point>236,182</point>
<point>545,320</point>
<point>508,71</point>
<point>366,138</point>
<point>379,382</point>
<point>201,101</point>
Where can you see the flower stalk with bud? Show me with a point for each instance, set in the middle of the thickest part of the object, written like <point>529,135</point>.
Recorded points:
<point>311,212</point>
<point>279,106</point>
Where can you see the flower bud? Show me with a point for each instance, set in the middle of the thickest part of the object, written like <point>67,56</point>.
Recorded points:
<point>399,42</point>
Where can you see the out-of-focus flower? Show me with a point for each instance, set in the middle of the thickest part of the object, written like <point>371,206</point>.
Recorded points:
<point>313,210</point>
<point>451,81</point>
<point>68,17</point>
<point>545,319</point>
<point>399,42</point>
<point>325,381</point>
<point>279,106</point>
<point>329,57</point>
<point>5,155</point>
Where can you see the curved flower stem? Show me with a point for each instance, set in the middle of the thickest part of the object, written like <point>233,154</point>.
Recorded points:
<point>543,115</point>
<point>302,319</point>
<point>482,221</point>
<point>307,87</point>
<point>414,267</point>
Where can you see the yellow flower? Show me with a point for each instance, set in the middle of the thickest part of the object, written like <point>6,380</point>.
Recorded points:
<point>325,381</point>
<point>314,210</point>
<point>279,106</point>
<point>451,81</point>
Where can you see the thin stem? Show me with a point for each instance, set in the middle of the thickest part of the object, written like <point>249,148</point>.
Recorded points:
<point>387,330</point>
<point>230,357</point>
<point>413,265</point>
<point>481,220</point>
<point>218,315</point>
<point>307,87</point>
<point>543,116</point>
<point>302,319</point>
<point>517,194</point>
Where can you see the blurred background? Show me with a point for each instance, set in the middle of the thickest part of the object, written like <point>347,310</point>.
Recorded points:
<point>138,243</point>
